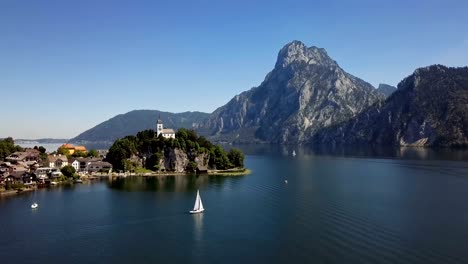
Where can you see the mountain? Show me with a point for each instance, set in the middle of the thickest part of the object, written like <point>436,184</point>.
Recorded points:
<point>386,90</point>
<point>430,108</point>
<point>135,121</point>
<point>41,141</point>
<point>305,92</point>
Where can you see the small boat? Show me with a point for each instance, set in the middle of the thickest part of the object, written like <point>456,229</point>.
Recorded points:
<point>286,181</point>
<point>78,181</point>
<point>34,206</point>
<point>198,207</point>
<point>53,183</point>
<point>294,153</point>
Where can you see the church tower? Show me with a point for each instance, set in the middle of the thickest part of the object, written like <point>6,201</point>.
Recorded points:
<point>165,132</point>
<point>159,127</point>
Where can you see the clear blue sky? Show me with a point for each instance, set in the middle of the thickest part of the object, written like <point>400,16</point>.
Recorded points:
<point>66,66</point>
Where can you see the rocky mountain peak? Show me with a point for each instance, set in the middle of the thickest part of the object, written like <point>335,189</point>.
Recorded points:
<point>386,90</point>
<point>298,52</point>
<point>305,92</point>
<point>413,81</point>
<point>430,108</point>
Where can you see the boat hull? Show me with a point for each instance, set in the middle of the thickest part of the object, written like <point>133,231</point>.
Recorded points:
<point>196,211</point>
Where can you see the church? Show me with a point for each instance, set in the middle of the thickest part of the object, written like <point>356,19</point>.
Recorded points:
<point>166,132</point>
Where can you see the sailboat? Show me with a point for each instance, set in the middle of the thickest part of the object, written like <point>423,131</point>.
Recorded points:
<point>34,205</point>
<point>198,207</point>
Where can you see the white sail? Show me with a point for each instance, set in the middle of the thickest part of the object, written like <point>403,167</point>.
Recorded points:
<point>197,202</point>
<point>198,206</point>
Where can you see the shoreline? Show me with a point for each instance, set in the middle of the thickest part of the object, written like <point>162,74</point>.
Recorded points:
<point>227,173</point>
<point>91,178</point>
<point>8,193</point>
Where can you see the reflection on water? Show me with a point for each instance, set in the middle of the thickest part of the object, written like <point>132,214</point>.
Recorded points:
<point>170,183</point>
<point>333,209</point>
<point>198,226</point>
<point>355,151</point>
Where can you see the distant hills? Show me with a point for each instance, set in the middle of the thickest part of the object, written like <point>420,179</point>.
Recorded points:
<point>41,141</point>
<point>309,99</point>
<point>430,108</point>
<point>135,121</point>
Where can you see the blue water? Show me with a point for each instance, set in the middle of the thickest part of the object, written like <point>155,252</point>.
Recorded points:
<point>335,208</point>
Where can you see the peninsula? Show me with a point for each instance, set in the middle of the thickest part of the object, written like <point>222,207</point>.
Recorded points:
<point>165,151</point>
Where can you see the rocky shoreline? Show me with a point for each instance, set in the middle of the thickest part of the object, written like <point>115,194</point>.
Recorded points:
<point>230,172</point>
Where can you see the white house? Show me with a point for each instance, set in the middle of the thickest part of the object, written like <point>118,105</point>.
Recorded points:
<point>96,166</point>
<point>165,132</point>
<point>57,161</point>
<point>75,163</point>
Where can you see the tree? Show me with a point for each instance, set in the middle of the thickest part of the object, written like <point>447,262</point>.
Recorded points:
<point>79,154</point>
<point>43,156</point>
<point>182,133</point>
<point>42,149</point>
<point>63,151</point>
<point>93,153</point>
<point>7,146</point>
<point>219,159</point>
<point>68,171</point>
<point>236,157</point>
<point>191,166</point>
<point>152,163</point>
<point>145,145</point>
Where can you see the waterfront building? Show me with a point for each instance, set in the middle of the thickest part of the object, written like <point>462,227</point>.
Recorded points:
<point>165,132</point>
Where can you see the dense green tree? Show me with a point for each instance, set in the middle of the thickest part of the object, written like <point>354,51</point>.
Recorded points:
<point>93,153</point>
<point>7,146</point>
<point>68,171</point>
<point>63,151</point>
<point>42,149</point>
<point>182,133</point>
<point>191,166</point>
<point>219,159</point>
<point>147,146</point>
<point>152,163</point>
<point>79,154</point>
<point>236,157</point>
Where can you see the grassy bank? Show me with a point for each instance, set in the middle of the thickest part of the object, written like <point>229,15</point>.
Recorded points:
<point>232,172</point>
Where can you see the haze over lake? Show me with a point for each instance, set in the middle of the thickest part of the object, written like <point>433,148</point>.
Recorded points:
<point>341,206</point>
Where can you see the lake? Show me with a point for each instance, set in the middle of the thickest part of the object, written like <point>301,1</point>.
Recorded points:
<point>340,206</point>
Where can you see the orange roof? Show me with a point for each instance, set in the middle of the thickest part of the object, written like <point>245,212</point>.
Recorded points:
<point>70,146</point>
<point>80,148</point>
<point>67,146</point>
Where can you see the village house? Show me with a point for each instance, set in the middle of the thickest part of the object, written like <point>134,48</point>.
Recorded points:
<point>57,161</point>
<point>29,178</point>
<point>16,173</point>
<point>43,172</point>
<point>75,163</point>
<point>98,166</point>
<point>4,169</point>
<point>4,173</point>
<point>165,132</point>
<point>102,153</point>
<point>72,149</point>
<point>82,164</point>
<point>30,156</point>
